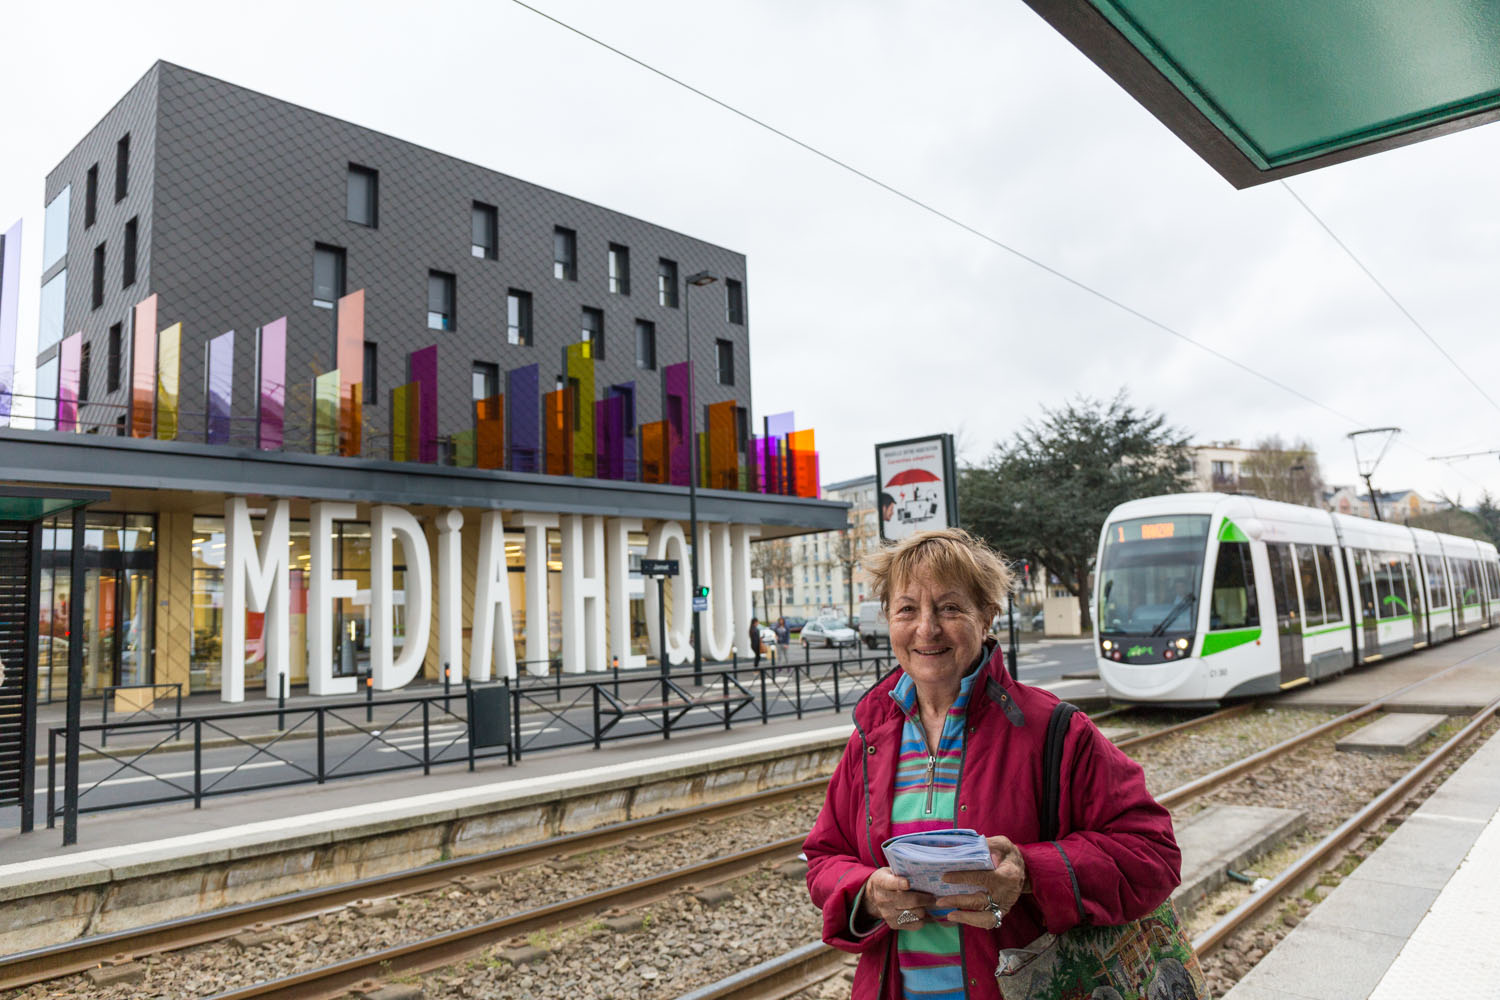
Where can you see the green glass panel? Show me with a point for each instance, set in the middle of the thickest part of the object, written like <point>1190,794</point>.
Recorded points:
<point>464,448</point>
<point>1286,80</point>
<point>326,413</point>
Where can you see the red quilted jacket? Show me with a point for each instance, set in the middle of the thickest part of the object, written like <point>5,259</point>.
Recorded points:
<point>1118,859</point>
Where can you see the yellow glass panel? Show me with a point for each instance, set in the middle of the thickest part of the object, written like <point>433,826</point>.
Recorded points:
<point>168,375</point>
<point>326,413</point>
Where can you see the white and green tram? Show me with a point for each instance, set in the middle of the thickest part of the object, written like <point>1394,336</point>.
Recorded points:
<point>1202,597</point>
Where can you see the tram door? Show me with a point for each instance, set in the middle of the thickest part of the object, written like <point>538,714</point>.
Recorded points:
<point>1288,618</point>
<point>1416,593</point>
<point>1369,613</point>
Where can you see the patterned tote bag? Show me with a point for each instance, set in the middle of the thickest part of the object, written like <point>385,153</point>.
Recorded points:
<point>1146,959</point>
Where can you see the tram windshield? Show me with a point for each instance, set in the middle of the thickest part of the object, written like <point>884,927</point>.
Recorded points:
<point>1151,574</point>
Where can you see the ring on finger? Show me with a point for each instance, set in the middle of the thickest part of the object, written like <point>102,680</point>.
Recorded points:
<point>998,914</point>
<point>906,917</point>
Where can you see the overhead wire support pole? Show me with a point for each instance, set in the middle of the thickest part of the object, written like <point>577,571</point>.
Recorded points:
<point>1367,466</point>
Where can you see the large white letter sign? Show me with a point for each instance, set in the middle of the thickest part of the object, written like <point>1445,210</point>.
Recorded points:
<point>617,584</point>
<point>493,633</point>
<point>262,576</point>
<point>388,670</point>
<point>538,611</point>
<point>582,593</point>
<point>323,590</point>
<point>667,541</point>
<point>718,628</point>
<point>450,582</point>
<point>740,535</point>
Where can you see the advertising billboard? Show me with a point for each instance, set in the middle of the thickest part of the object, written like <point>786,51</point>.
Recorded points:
<point>917,486</point>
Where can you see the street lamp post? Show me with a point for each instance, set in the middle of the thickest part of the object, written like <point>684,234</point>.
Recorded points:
<point>698,279</point>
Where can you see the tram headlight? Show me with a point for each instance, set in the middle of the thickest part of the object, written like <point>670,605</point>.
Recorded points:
<point>1182,644</point>
<point>1107,645</point>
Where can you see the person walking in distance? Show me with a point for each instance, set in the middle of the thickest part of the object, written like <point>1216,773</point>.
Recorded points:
<point>755,639</point>
<point>783,640</point>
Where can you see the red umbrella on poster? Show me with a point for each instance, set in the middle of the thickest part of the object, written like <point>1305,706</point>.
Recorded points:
<point>918,486</point>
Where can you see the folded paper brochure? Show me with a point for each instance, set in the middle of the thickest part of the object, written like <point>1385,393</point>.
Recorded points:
<point>922,858</point>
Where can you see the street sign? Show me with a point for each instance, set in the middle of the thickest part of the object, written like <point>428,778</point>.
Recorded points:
<point>700,603</point>
<point>658,567</point>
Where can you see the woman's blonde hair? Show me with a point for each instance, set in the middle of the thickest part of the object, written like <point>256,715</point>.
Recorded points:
<point>953,556</point>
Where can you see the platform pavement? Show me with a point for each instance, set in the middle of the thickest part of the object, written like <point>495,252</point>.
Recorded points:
<point>1474,683</point>
<point>1420,917</point>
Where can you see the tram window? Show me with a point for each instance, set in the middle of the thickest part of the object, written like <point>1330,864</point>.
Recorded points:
<point>1366,585</point>
<point>1283,587</point>
<point>1312,600</point>
<point>1463,572</point>
<point>1234,603</point>
<point>1384,590</point>
<point>1437,585</point>
<point>1333,598</point>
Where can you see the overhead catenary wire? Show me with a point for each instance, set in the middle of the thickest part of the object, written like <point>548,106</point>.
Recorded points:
<point>924,206</point>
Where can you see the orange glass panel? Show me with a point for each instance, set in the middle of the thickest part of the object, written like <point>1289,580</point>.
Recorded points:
<point>803,463</point>
<point>723,460</point>
<point>655,466</point>
<point>557,425</point>
<point>143,368</point>
<point>489,426</point>
<point>168,375</point>
<point>350,360</point>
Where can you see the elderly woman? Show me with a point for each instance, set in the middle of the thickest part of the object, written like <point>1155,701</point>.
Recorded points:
<point>951,740</point>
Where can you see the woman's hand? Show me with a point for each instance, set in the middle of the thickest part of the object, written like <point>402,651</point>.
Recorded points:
<point>889,897</point>
<point>1001,887</point>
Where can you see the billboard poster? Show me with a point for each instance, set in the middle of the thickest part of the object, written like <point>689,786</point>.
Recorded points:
<point>917,486</point>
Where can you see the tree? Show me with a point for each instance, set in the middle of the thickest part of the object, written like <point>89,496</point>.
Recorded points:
<point>1045,495</point>
<point>853,542</point>
<point>772,562</point>
<point>1278,472</point>
<point>1489,516</point>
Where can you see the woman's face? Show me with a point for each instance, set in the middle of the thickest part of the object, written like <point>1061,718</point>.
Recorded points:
<point>936,629</point>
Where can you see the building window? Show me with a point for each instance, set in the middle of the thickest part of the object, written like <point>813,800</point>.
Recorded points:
<point>112,361</point>
<point>734,301</point>
<point>363,196</point>
<point>485,223</point>
<point>724,361</point>
<point>55,229</point>
<point>484,380</point>
<point>564,254</point>
<point>592,332</point>
<point>132,235</point>
<point>440,301</point>
<point>98,297</point>
<point>122,168</point>
<point>619,269</point>
<point>518,318</point>
<point>85,362</point>
<point>645,345</point>
<point>370,387</point>
<point>666,282</point>
<point>328,275</point>
<point>91,197</point>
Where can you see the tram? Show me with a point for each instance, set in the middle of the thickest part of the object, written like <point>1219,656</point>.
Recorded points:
<point>1207,597</point>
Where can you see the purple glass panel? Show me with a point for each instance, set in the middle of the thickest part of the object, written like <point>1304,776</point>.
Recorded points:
<point>70,360</point>
<point>10,292</point>
<point>677,403</point>
<point>609,437</point>
<point>629,469</point>
<point>778,426</point>
<point>270,363</point>
<point>524,419</point>
<point>421,368</point>
<point>218,387</point>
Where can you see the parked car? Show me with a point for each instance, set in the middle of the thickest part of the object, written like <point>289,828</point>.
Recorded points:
<point>874,629</point>
<point>795,622</point>
<point>830,632</point>
<point>1038,621</point>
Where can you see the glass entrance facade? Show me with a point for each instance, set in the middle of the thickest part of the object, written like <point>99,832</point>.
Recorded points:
<point>119,602</point>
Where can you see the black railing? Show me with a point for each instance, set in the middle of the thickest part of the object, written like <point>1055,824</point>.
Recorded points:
<point>148,710</point>
<point>319,743</point>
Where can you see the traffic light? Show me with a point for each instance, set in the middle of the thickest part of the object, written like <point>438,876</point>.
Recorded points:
<point>701,591</point>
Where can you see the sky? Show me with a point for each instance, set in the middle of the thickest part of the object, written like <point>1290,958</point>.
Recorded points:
<point>873,319</point>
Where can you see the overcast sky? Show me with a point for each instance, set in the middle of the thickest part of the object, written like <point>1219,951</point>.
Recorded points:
<point>870,318</point>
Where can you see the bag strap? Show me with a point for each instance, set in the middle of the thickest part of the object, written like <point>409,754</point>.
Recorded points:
<point>1052,754</point>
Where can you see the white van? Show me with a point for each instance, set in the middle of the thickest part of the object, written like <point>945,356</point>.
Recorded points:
<point>874,630</point>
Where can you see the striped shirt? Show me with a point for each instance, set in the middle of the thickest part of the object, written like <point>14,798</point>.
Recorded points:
<point>926,792</point>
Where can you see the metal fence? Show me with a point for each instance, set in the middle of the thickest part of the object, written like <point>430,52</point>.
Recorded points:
<point>201,756</point>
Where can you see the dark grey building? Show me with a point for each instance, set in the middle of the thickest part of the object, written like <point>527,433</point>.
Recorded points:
<point>237,208</point>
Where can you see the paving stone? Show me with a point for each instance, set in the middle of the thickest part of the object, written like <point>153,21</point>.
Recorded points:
<point>1224,837</point>
<point>1118,734</point>
<point>714,895</point>
<point>1393,733</point>
<point>524,955</point>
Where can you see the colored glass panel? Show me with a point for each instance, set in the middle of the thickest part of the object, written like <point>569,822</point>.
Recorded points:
<point>464,448</point>
<point>656,456</point>
<point>70,362</point>
<point>677,396</point>
<point>143,368</point>
<point>489,431</point>
<point>779,473</point>
<point>609,437</point>
<point>218,388</point>
<point>168,376</point>
<point>723,461</point>
<point>270,365</point>
<point>349,356</point>
<point>522,389</point>
<point>421,367</point>
<point>578,363</point>
<point>326,413</point>
<point>10,293</point>
<point>557,417</point>
<point>404,427</point>
<point>803,464</point>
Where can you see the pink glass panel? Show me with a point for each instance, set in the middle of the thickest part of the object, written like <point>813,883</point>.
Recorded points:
<point>69,363</point>
<point>143,368</point>
<point>422,369</point>
<point>271,374</point>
